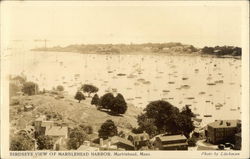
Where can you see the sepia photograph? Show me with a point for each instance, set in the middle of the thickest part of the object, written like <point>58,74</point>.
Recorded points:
<point>110,76</point>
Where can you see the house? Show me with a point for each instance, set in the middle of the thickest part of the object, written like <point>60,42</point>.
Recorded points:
<point>39,130</point>
<point>170,142</point>
<point>118,143</point>
<point>86,147</point>
<point>28,107</point>
<point>238,141</point>
<point>140,140</point>
<point>221,131</point>
<point>57,131</point>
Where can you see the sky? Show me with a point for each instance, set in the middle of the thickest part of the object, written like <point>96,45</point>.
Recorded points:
<point>122,22</point>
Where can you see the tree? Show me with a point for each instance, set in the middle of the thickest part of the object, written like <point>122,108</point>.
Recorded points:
<point>95,100</point>
<point>147,125</point>
<point>60,88</point>
<point>76,138</point>
<point>161,116</point>
<point>88,129</point>
<point>107,101</point>
<point>30,88</point>
<point>79,96</point>
<point>108,129</point>
<point>44,143</point>
<point>120,105</point>
<point>88,88</point>
<point>187,111</point>
<point>21,142</point>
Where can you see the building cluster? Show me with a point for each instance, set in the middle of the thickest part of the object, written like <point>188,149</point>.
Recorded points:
<point>219,132</point>
<point>57,131</point>
<point>224,131</point>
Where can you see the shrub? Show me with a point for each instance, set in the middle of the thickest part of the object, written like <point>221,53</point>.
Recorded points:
<point>30,88</point>
<point>60,88</point>
<point>44,143</point>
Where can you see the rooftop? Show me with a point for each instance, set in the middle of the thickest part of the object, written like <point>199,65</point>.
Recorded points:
<point>47,123</point>
<point>172,137</point>
<point>117,139</point>
<point>141,137</point>
<point>87,148</point>
<point>223,124</point>
<point>177,144</point>
<point>56,131</point>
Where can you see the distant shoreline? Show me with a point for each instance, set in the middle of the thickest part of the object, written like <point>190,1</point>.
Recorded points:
<point>147,53</point>
<point>172,48</point>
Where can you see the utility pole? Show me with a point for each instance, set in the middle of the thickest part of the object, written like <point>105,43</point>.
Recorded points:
<point>45,42</point>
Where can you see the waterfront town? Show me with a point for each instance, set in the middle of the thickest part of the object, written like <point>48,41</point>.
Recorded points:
<point>55,120</point>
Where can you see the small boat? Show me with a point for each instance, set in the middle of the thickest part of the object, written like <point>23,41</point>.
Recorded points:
<point>130,98</point>
<point>219,81</point>
<point>166,91</point>
<point>146,82</point>
<point>185,86</point>
<point>211,84</point>
<point>138,97</point>
<point>110,71</point>
<point>207,115</point>
<point>131,76</point>
<point>208,101</point>
<point>202,93</point>
<point>184,78</point>
<point>171,82</point>
<point>218,105</point>
<point>121,74</point>
<point>190,98</point>
<point>141,80</point>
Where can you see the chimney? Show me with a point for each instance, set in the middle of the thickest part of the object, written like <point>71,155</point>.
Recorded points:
<point>101,142</point>
<point>228,123</point>
<point>109,143</point>
<point>221,122</point>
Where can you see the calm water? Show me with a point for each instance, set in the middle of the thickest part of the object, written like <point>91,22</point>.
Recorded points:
<point>211,86</point>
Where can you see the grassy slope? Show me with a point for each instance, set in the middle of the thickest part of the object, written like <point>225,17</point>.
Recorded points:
<point>75,113</point>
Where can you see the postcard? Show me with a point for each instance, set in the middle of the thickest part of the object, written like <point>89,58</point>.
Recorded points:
<point>124,79</point>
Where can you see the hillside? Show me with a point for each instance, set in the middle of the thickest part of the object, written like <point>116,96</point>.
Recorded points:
<point>72,112</point>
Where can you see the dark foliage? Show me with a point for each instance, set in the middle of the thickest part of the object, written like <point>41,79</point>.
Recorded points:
<point>76,138</point>
<point>108,129</point>
<point>88,88</point>
<point>30,88</point>
<point>161,117</point>
<point>79,96</point>
<point>95,100</point>
<point>60,88</point>
<point>222,50</point>
<point>107,101</point>
<point>120,105</point>
<point>44,143</point>
<point>21,142</point>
